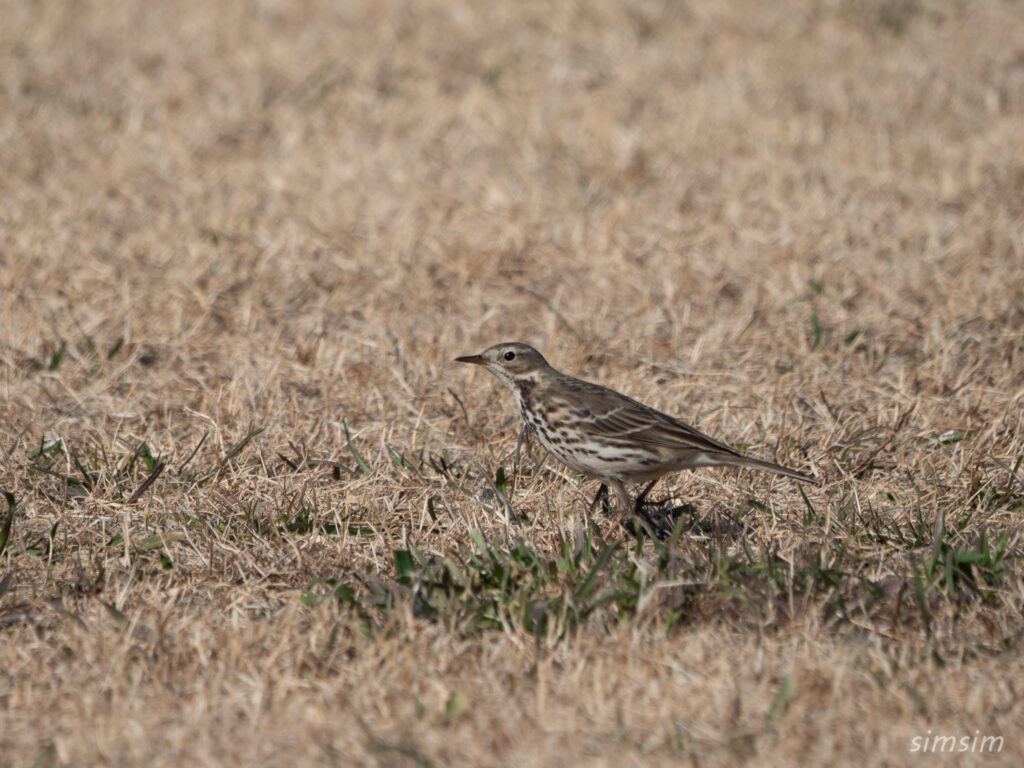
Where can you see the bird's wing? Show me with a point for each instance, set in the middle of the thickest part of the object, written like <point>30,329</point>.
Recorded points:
<point>613,415</point>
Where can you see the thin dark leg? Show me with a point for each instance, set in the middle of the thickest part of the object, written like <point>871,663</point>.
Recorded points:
<point>638,505</point>
<point>623,496</point>
<point>620,491</point>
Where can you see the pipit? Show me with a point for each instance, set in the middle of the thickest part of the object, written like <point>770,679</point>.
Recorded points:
<point>598,432</point>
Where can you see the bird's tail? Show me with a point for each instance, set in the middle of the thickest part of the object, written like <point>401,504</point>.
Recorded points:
<point>767,466</point>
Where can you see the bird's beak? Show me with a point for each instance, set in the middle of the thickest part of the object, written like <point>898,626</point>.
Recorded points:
<point>474,359</point>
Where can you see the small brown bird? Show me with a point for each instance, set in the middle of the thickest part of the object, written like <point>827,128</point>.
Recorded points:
<point>596,431</point>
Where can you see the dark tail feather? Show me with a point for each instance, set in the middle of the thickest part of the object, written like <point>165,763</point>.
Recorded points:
<point>767,466</point>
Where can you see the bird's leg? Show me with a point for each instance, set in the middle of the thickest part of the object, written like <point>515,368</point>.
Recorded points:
<point>623,496</point>
<point>644,514</point>
<point>638,506</point>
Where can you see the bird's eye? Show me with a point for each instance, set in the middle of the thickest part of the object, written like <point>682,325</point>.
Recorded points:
<point>510,355</point>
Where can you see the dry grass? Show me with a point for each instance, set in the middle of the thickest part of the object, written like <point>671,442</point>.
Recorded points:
<point>242,242</point>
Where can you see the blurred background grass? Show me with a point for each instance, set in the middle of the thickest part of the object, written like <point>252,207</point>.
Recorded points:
<point>239,245</point>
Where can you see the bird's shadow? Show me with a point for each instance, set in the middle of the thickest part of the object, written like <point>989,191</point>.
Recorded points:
<point>661,519</point>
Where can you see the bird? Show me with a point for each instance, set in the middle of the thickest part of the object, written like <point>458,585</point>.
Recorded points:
<point>604,434</point>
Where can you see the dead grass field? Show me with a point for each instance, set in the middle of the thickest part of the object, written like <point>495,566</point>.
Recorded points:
<point>240,244</point>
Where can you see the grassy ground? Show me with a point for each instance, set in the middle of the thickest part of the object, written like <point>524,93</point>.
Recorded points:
<point>258,517</point>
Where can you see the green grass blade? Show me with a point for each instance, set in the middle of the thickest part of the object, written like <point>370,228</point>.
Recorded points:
<point>405,567</point>
<point>359,459</point>
<point>589,583</point>
<point>240,446</point>
<point>87,479</point>
<point>781,701</point>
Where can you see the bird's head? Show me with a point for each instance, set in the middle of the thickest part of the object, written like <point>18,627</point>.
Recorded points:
<point>509,361</point>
